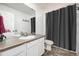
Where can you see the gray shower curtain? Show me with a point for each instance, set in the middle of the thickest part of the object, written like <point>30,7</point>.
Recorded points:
<point>61,27</point>
<point>72,26</point>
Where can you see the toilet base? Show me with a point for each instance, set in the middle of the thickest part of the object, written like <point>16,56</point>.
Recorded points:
<point>48,47</point>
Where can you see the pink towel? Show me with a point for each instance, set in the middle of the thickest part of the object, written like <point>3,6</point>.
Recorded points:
<point>2,28</point>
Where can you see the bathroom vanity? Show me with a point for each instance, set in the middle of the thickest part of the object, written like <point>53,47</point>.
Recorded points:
<point>23,47</point>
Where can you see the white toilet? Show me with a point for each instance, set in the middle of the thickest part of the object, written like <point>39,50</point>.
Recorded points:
<point>48,44</point>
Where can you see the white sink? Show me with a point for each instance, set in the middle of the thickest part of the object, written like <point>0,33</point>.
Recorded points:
<point>27,37</point>
<point>16,35</point>
<point>11,35</point>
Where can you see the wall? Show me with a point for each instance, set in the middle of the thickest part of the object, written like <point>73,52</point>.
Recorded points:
<point>40,19</point>
<point>39,23</point>
<point>18,17</point>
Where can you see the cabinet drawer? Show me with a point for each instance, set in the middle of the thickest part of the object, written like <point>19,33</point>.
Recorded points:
<point>14,51</point>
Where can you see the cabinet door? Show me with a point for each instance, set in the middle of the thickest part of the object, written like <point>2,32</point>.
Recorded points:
<point>36,48</point>
<point>22,53</point>
<point>32,51</point>
<point>41,47</point>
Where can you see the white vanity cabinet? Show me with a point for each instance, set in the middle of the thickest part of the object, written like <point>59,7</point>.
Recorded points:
<point>33,48</point>
<point>36,47</point>
<point>16,51</point>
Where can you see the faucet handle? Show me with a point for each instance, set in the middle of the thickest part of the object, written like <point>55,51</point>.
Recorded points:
<point>33,33</point>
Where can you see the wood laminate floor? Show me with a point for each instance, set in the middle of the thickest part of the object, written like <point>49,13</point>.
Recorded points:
<point>57,51</point>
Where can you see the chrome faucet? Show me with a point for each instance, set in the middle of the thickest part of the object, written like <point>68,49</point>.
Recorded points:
<point>24,34</point>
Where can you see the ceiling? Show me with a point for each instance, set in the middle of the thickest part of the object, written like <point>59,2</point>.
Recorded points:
<point>30,8</point>
<point>21,7</point>
<point>48,6</point>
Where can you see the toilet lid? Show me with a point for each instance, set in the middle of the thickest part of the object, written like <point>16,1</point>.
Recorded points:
<point>49,42</point>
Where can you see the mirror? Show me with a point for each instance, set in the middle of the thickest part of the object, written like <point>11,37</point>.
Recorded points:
<point>16,17</point>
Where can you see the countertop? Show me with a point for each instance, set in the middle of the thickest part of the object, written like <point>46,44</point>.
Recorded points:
<point>11,43</point>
